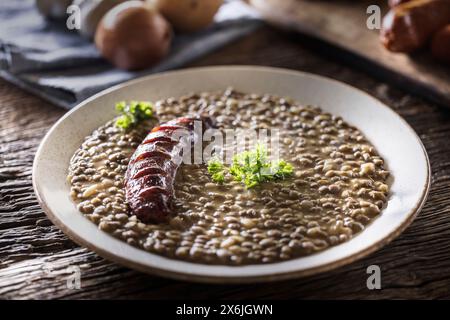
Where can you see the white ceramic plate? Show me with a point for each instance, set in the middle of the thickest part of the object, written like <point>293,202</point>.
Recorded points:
<point>391,135</point>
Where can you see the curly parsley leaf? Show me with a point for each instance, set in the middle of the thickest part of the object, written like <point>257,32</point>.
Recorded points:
<point>251,168</point>
<point>132,113</point>
<point>216,170</point>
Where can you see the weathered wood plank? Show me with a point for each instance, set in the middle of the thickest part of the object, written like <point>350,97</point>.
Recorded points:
<point>35,257</point>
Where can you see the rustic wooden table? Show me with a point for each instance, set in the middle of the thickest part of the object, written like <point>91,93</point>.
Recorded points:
<point>35,257</point>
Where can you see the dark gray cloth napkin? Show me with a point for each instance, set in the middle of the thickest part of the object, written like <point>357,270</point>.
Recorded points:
<point>46,58</point>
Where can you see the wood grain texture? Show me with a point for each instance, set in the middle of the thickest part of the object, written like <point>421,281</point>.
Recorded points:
<point>343,25</point>
<point>35,256</point>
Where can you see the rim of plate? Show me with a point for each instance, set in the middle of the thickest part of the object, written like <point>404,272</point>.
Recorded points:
<point>198,276</point>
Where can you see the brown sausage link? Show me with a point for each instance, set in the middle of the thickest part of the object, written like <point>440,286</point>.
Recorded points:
<point>394,3</point>
<point>440,45</point>
<point>410,25</point>
<point>152,169</point>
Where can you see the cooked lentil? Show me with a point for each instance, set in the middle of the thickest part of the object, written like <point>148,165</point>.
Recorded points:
<point>339,185</point>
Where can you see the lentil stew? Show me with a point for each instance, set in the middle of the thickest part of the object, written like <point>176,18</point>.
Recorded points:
<point>338,187</point>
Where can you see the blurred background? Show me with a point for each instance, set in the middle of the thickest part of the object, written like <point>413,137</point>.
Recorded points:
<point>67,50</point>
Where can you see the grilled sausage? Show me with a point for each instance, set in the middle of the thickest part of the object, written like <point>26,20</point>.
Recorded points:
<point>440,45</point>
<point>410,25</point>
<point>393,3</point>
<point>152,168</point>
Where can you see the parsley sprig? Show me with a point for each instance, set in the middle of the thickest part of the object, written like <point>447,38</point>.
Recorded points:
<point>251,168</point>
<point>216,170</point>
<point>132,113</point>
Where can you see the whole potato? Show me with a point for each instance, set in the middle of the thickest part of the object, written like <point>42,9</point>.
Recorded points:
<point>188,15</point>
<point>132,36</point>
<point>92,11</point>
<point>54,9</point>
<point>440,45</point>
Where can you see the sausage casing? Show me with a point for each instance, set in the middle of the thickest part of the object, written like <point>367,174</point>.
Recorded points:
<point>153,166</point>
<point>409,26</point>
<point>393,3</point>
<point>440,45</point>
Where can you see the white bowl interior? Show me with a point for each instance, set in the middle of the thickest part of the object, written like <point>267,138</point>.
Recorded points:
<point>393,138</point>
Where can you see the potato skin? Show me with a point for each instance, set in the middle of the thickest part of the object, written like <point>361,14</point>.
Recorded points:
<point>440,45</point>
<point>133,36</point>
<point>188,15</point>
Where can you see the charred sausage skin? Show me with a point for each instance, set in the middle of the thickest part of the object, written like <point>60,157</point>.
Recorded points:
<point>153,166</point>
